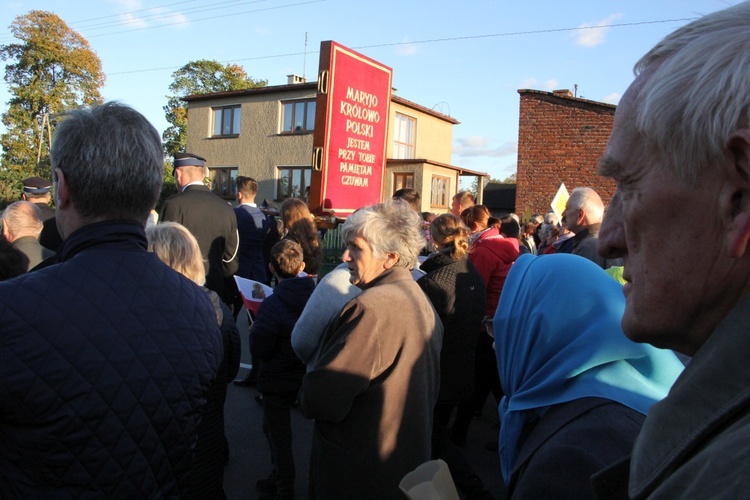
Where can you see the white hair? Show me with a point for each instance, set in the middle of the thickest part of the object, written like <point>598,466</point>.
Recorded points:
<point>695,90</point>
<point>589,200</point>
<point>23,218</point>
<point>390,227</point>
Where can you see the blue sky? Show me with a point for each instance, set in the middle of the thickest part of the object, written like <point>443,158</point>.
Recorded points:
<point>464,58</point>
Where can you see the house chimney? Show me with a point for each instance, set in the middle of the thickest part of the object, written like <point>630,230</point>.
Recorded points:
<point>562,93</point>
<point>292,79</point>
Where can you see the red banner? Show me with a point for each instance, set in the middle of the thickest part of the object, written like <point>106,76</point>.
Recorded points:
<point>351,128</point>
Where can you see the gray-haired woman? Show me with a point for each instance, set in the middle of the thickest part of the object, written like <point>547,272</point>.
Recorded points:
<point>375,383</point>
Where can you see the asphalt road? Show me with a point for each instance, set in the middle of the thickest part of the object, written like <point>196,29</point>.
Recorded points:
<point>249,459</point>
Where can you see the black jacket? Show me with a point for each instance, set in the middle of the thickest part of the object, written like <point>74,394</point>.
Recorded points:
<point>457,291</point>
<point>280,370</point>
<point>213,223</point>
<point>570,443</point>
<point>107,356</point>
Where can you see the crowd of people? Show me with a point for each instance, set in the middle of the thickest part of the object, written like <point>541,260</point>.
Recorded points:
<point>119,335</point>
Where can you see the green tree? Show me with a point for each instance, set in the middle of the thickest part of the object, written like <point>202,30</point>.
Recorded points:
<point>169,187</point>
<point>50,69</point>
<point>199,77</point>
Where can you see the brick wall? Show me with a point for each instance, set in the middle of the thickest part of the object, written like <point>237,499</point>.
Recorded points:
<point>560,140</point>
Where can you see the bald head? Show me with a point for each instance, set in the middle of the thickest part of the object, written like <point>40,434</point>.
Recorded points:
<point>22,218</point>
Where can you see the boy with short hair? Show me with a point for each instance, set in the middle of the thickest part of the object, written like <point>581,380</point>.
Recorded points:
<point>280,371</point>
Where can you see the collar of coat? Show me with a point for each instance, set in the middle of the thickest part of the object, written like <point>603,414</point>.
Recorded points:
<point>122,234</point>
<point>389,276</point>
<point>714,386</point>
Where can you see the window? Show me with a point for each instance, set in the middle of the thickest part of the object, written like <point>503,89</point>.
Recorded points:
<point>439,194</point>
<point>223,182</point>
<point>404,137</point>
<point>226,121</point>
<point>403,180</point>
<point>299,116</point>
<point>293,182</point>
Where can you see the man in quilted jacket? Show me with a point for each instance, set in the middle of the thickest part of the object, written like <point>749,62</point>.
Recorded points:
<point>106,354</point>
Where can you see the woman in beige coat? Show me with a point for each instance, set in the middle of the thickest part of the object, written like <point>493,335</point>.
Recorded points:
<point>374,385</point>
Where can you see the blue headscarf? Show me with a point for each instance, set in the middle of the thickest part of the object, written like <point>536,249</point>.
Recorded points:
<point>558,338</point>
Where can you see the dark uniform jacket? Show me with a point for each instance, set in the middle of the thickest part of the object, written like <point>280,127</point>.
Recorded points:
<point>213,223</point>
<point>50,236</point>
<point>107,356</point>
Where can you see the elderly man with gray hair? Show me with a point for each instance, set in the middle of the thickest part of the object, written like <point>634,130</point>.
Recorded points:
<point>374,384</point>
<point>22,225</point>
<point>583,216</point>
<point>108,354</point>
<point>680,152</point>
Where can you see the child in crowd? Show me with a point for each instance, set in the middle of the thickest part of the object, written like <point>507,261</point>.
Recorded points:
<point>280,371</point>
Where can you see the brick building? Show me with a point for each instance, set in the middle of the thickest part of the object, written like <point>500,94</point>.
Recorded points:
<point>560,140</point>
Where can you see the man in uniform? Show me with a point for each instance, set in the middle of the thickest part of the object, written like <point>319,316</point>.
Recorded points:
<point>37,191</point>
<point>209,218</point>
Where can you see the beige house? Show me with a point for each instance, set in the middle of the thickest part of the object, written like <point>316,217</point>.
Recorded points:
<point>267,133</point>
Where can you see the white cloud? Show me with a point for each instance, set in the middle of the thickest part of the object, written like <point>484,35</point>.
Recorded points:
<point>551,84</point>
<point>528,83</point>
<point>481,146</point>
<point>406,48</point>
<point>134,15</point>
<point>132,21</point>
<point>593,34</point>
<point>175,19</point>
<point>127,4</point>
<point>612,98</point>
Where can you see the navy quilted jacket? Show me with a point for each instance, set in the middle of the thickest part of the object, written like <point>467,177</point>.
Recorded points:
<point>105,360</point>
<point>280,370</point>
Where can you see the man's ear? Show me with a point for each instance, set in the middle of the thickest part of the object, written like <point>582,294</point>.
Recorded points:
<point>301,268</point>
<point>581,219</point>
<point>62,192</point>
<point>735,197</point>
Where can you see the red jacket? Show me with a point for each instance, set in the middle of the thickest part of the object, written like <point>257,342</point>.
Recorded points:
<point>493,255</point>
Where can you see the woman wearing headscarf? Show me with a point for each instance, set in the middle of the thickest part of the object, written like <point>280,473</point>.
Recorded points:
<point>576,389</point>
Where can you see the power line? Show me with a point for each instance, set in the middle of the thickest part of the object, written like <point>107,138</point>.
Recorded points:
<point>433,40</point>
<point>165,15</point>
<point>209,18</point>
<point>533,32</point>
<point>161,14</point>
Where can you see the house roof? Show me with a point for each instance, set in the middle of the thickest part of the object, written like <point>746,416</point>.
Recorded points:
<point>499,195</point>
<point>270,89</point>
<point>566,97</point>
<point>461,171</point>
